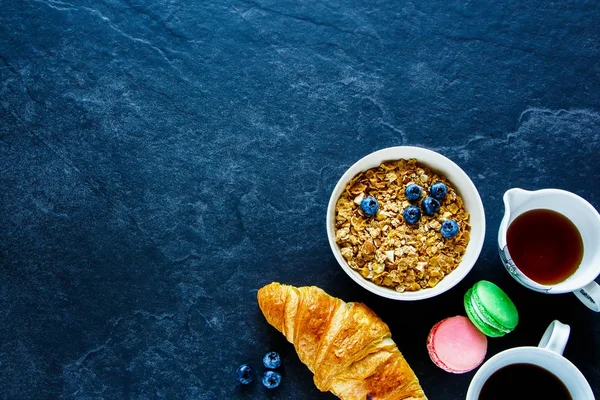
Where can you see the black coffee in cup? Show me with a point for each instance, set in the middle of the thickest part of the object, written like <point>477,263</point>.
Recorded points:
<point>523,382</point>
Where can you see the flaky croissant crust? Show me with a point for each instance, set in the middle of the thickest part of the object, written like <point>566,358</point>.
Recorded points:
<point>347,347</point>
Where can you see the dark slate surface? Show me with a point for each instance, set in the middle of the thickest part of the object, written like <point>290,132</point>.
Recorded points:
<point>162,160</point>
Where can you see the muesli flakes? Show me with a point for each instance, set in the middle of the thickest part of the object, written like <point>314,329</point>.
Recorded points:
<point>384,248</point>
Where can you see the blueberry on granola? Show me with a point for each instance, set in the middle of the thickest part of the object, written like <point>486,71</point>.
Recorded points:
<point>438,190</point>
<point>271,379</point>
<point>449,228</point>
<point>411,214</point>
<point>245,374</point>
<point>413,192</point>
<point>272,360</point>
<point>369,205</point>
<point>430,205</point>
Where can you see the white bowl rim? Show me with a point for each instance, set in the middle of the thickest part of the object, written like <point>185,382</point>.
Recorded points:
<point>466,187</point>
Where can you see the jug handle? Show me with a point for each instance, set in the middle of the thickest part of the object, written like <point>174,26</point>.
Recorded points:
<point>556,337</point>
<point>590,295</point>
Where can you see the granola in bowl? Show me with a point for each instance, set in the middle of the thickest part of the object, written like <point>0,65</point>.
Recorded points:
<point>390,250</point>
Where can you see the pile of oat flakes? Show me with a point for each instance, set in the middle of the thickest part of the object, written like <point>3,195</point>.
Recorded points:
<point>384,248</point>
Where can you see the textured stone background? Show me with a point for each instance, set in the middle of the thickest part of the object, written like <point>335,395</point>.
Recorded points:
<point>162,160</point>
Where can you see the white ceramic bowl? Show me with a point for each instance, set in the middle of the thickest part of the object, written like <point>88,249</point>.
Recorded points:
<point>460,181</point>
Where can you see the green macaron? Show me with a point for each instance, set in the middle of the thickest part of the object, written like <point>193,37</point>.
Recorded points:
<point>490,309</point>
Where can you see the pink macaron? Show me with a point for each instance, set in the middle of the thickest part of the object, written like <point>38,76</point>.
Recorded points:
<point>456,345</point>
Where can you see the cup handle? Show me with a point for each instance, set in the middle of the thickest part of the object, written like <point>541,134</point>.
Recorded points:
<point>556,336</point>
<point>590,295</point>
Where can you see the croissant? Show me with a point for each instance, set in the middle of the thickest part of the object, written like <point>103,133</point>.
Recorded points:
<point>346,346</point>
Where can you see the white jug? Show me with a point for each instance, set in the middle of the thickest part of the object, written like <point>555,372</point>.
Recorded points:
<point>586,219</point>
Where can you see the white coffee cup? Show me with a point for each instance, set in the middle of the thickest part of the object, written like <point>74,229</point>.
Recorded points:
<point>547,355</point>
<point>586,219</point>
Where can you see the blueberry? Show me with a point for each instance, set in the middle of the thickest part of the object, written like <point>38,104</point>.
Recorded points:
<point>411,214</point>
<point>245,374</point>
<point>413,192</point>
<point>438,190</point>
<point>271,379</point>
<point>449,228</point>
<point>430,205</point>
<point>272,360</point>
<point>369,205</point>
